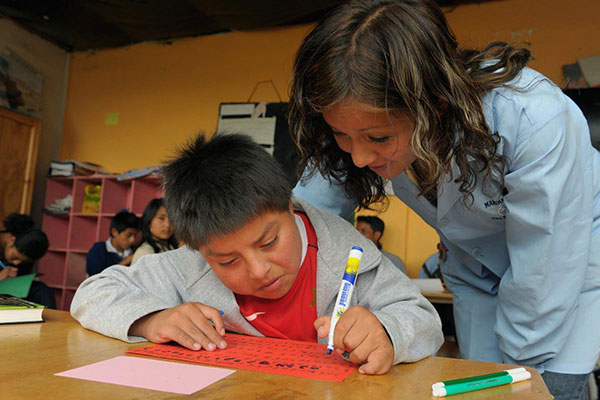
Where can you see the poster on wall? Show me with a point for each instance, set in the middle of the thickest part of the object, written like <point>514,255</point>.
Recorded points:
<point>268,125</point>
<point>20,84</point>
<point>247,118</point>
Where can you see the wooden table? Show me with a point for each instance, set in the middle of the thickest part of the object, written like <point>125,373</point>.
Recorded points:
<point>31,353</point>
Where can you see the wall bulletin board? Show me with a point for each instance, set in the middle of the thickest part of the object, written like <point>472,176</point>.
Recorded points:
<point>267,124</point>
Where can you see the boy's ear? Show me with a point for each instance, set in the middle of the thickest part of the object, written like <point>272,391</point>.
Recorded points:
<point>114,232</point>
<point>377,236</point>
<point>291,207</point>
<point>11,240</point>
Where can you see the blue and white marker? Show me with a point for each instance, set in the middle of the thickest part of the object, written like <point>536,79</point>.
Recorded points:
<point>345,294</point>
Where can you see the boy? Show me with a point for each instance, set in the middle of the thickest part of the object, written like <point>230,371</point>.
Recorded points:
<point>116,249</point>
<point>271,265</point>
<point>372,228</point>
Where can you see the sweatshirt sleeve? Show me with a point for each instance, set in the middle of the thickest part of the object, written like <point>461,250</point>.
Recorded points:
<point>410,320</point>
<point>110,302</point>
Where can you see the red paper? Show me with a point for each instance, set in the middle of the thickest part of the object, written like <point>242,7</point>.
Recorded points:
<point>276,356</point>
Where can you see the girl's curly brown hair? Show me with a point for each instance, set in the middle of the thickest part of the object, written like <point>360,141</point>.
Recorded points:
<point>400,56</point>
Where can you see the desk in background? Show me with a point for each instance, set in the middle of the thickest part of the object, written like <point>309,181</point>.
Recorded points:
<point>32,353</point>
<point>443,297</point>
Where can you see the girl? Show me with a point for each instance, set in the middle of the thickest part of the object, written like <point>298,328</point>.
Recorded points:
<point>157,231</point>
<point>488,152</point>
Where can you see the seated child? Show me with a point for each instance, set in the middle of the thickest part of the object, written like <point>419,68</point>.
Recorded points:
<point>431,267</point>
<point>271,263</point>
<point>157,231</point>
<point>372,228</point>
<point>117,248</point>
<point>21,244</point>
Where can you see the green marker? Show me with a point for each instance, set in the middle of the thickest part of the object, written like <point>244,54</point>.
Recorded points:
<point>478,378</point>
<point>471,386</point>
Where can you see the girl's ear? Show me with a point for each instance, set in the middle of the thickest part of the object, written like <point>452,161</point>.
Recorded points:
<point>11,240</point>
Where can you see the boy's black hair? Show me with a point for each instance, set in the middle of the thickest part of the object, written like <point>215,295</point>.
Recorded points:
<point>376,223</point>
<point>215,186</point>
<point>29,240</point>
<point>123,220</point>
<point>147,217</point>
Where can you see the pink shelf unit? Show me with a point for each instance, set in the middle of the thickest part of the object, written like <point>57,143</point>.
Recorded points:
<point>72,235</point>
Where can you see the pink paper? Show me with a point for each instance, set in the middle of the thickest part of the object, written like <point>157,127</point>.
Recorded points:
<point>150,374</point>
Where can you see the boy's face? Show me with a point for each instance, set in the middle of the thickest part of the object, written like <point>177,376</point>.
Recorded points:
<point>123,240</point>
<point>12,256</point>
<point>367,231</point>
<point>260,259</point>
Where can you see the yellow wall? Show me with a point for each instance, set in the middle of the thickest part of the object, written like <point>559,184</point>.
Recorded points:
<point>559,31</point>
<point>165,93</point>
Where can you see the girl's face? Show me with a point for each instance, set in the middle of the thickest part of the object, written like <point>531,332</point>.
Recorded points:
<point>375,139</point>
<point>160,227</point>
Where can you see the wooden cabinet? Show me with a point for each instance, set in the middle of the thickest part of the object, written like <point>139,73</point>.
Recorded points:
<point>19,137</point>
<point>72,234</point>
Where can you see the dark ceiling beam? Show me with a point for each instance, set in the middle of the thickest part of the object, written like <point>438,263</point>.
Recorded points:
<point>81,25</point>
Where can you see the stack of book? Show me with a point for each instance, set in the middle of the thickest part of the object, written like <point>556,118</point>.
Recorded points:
<point>14,310</point>
<point>71,167</point>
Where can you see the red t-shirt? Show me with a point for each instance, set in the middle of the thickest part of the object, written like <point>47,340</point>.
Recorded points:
<point>293,315</point>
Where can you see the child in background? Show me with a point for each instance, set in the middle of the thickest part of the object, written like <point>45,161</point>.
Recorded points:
<point>271,263</point>
<point>432,266</point>
<point>21,244</point>
<point>157,231</point>
<point>116,249</point>
<point>372,228</point>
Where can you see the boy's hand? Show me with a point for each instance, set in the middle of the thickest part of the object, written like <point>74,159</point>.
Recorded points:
<point>8,272</point>
<point>126,260</point>
<point>187,324</point>
<point>360,333</point>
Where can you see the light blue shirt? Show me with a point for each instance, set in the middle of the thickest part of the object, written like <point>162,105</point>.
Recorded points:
<point>112,249</point>
<point>312,189</point>
<point>430,266</point>
<point>524,266</point>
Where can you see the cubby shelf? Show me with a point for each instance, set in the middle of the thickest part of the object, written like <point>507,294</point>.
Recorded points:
<point>72,235</point>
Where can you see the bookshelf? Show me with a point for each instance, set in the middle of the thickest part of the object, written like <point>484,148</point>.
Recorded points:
<point>72,234</point>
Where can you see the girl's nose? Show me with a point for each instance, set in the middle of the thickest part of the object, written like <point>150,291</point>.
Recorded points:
<point>362,155</point>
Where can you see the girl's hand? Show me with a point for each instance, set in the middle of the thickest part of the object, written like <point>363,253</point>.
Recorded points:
<point>360,333</point>
<point>188,324</point>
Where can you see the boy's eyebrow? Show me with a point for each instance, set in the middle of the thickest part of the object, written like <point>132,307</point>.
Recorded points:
<point>264,233</point>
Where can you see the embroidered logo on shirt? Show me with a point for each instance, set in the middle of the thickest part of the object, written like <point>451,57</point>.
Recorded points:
<point>252,317</point>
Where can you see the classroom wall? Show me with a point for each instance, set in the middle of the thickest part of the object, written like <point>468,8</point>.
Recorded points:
<point>53,63</point>
<point>163,93</point>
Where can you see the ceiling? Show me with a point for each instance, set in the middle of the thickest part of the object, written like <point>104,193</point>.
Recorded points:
<point>81,25</point>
